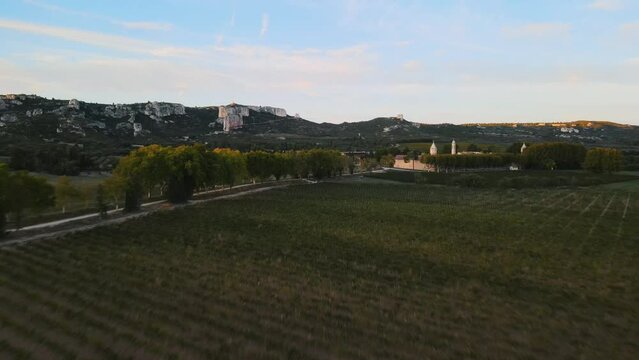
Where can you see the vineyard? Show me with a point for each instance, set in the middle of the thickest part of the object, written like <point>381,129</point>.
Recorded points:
<point>337,270</point>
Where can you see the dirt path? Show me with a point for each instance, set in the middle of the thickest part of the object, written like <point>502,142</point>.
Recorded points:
<point>55,234</point>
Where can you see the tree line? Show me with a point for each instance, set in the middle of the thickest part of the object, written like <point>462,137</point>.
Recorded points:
<point>176,172</point>
<point>543,156</point>
<point>57,159</point>
<point>179,171</point>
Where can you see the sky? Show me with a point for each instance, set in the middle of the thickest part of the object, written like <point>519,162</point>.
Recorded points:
<point>434,61</point>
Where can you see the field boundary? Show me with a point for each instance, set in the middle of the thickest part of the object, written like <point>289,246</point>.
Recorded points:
<point>100,223</point>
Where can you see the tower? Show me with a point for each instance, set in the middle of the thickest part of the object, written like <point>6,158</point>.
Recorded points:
<point>433,149</point>
<point>523,147</point>
<point>453,147</point>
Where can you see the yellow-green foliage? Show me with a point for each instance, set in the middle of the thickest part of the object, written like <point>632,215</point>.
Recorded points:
<point>600,160</point>
<point>550,156</point>
<point>183,169</point>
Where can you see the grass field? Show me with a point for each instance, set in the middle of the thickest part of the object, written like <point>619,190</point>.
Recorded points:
<point>529,178</point>
<point>339,270</point>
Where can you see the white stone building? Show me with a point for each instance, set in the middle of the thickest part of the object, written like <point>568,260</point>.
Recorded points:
<point>453,147</point>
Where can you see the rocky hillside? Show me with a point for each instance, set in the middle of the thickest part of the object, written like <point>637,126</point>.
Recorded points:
<point>113,128</point>
<point>48,119</point>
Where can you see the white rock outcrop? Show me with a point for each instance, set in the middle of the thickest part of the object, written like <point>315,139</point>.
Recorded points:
<point>232,116</point>
<point>3,105</point>
<point>74,104</point>
<point>124,126</point>
<point>9,118</point>
<point>157,110</point>
<point>34,112</point>
<point>97,125</point>
<point>117,111</point>
<point>137,129</point>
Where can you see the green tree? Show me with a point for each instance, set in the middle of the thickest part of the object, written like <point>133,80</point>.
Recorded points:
<point>4,190</point>
<point>100,201</point>
<point>187,171</point>
<point>299,164</point>
<point>27,192</point>
<point>387,161</point>
<point>232,166</point>
<point>350,165</point>
<point>65,192</point>
<point>600,160</point>
<point>259,165</point>
<point>114,188</point>
<point>566,156</point>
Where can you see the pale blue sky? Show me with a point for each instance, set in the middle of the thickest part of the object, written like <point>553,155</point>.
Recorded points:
<point>433,61</point>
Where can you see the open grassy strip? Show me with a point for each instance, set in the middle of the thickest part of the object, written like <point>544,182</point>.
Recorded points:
<point>601,215</point>
<point>623,215</point>
<point>336,270</point>
<point>552,221</point>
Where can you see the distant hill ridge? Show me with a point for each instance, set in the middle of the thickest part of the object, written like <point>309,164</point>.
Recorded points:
<point>30,120</point>
<point>579,123</point>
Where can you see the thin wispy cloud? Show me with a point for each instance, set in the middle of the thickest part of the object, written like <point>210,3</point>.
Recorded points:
<point>265,25</point>
<point>354,59</point>
<point>57,9</point>
<point>114,42</point>
<point>537,30</point>
<point>630,28</point>
<point>146,25</point>
<point>607,5</point>
<point>412,66</point>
